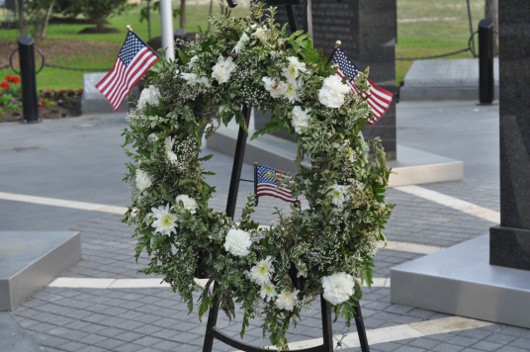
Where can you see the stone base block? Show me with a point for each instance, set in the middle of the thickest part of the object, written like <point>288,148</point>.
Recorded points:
<point>92,101</point>
<point>31,260</point>
<point>460,281</point>
<point>412,166</point>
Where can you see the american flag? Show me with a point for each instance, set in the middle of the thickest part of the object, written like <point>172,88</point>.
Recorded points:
<point>271,182</point>
<point>377,98</point>
<point>133,61</point>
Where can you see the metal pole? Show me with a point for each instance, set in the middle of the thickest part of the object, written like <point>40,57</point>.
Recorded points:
<point>166,17</point>
<point>30,104</point>
<point>238,164</point>
<point>485,59</point>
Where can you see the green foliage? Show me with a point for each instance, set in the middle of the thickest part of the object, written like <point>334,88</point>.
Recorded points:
<point>271,271</point>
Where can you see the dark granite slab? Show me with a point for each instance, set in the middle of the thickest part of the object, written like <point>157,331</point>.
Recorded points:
<point>510,242</point>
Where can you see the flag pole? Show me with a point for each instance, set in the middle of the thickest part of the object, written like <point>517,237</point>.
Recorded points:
<point>338,43</point>
<point>256,199</point>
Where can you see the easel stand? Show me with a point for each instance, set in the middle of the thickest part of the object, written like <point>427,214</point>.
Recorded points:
<point>211,330</point>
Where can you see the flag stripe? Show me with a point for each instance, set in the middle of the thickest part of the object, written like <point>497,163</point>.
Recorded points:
<point>124,77</point>
<point>279,190</point>
<point>275,195</point>
<point>102,84</point>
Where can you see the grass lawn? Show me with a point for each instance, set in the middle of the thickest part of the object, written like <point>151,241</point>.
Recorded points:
<point>425,27</point>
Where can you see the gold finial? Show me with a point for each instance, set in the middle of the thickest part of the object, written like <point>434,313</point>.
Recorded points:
<point>129,27</point>
<point>338,44</point>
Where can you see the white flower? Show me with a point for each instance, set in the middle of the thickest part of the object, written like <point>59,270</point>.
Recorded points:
<point>187,202</point>
<point>149,95</point>
<point>222,70</point>
<point>300,119</point>
<point>261,34</point>
<point>275,88</point>
<point>291,93</point>
<point>190,78</point>
<point>170,154</point>
<point>294,68</point>
<point>261,272</point>
<point>338,194</point>
<point>338,288</point>
<point>268,291</point>
<point>332,92</point>
<point>164,222</point>
<point>152,138</point>
<point>241,43</point>
<point>192,62</point>
<point>143,180</point>
<point>237,242</point>
<point>287,300</point>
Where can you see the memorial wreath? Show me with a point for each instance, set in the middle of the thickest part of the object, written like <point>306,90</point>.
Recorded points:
<point>324,247</point>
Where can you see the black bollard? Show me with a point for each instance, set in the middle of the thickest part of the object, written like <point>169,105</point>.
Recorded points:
<point>485,59</point>
<point>30,104</point>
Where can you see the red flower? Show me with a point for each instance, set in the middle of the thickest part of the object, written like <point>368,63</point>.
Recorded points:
<point>13,79</point>
<point>4,85</point>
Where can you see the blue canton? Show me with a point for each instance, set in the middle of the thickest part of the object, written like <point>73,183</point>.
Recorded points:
<point>265,173</point>
<point>345,65</point>
<point>130,48</point>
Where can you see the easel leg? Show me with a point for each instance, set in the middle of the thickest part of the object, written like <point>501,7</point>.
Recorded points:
<point>212,321</point>
<point>327,332</point>
<point>361,330</point>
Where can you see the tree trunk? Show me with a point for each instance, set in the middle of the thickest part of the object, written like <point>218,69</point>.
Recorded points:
<point>43,26</point>
<point>492,13</point>
<point>183,14</point>
<point>21,19</point>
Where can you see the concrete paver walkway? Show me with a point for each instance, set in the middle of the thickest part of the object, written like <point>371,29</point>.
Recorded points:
<point>81,160</point>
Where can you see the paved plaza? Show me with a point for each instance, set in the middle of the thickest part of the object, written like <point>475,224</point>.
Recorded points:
<point>104,304</point>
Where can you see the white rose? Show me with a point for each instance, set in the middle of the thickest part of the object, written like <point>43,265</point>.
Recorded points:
<point>275,88</point>
<point>190,78</point>
<point>241,43</point>
<point>143,180</point>
<point>332,92</point>
<point>300,119</point>
<point>170,154</point>
<point>192,62</point>
<point>222,70</point>
<point>287,300</point>
<point>149,95</point>
<point>237,242</point>
<point>187,202</point>
<point>338,287</point>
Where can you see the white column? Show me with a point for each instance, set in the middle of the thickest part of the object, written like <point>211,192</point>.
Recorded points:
<point>166,17</point>
<point>310,18</point>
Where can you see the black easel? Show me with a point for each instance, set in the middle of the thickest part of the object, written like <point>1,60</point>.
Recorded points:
<point>211,330</point>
